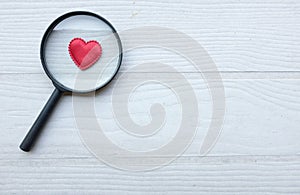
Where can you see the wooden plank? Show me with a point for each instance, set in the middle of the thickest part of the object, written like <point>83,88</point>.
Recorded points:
<point>265,107</point>
<point>239,36</point>
<point>236,175</point>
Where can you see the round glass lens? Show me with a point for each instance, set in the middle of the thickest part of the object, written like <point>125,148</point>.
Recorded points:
<point>82,53</point>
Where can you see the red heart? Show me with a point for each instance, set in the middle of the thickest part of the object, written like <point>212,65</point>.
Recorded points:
<point>84,54</point>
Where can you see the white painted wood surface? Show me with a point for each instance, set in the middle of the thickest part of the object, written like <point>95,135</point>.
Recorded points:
<point>256,47</point>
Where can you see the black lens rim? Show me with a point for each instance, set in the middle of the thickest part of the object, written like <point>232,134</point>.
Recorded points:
<point>49,30</point>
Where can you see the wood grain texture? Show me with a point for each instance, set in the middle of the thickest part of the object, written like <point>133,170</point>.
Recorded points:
<point>255,46</point>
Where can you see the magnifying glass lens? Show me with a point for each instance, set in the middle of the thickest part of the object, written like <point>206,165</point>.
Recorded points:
<point>82,53</point>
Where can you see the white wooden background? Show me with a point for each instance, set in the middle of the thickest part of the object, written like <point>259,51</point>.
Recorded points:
<point>255,45</point>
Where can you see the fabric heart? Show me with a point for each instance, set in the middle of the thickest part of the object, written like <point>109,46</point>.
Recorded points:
<point>84,54</point>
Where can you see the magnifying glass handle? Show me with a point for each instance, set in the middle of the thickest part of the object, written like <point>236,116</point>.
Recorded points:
<point>37,126</point>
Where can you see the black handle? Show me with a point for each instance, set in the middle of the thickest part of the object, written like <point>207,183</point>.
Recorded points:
<point>37,126</point>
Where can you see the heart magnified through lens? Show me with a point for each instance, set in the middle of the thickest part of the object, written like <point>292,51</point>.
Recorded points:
<point>84,54</point>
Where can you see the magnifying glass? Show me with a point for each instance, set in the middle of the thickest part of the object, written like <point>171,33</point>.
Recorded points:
<point>81,52</point>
